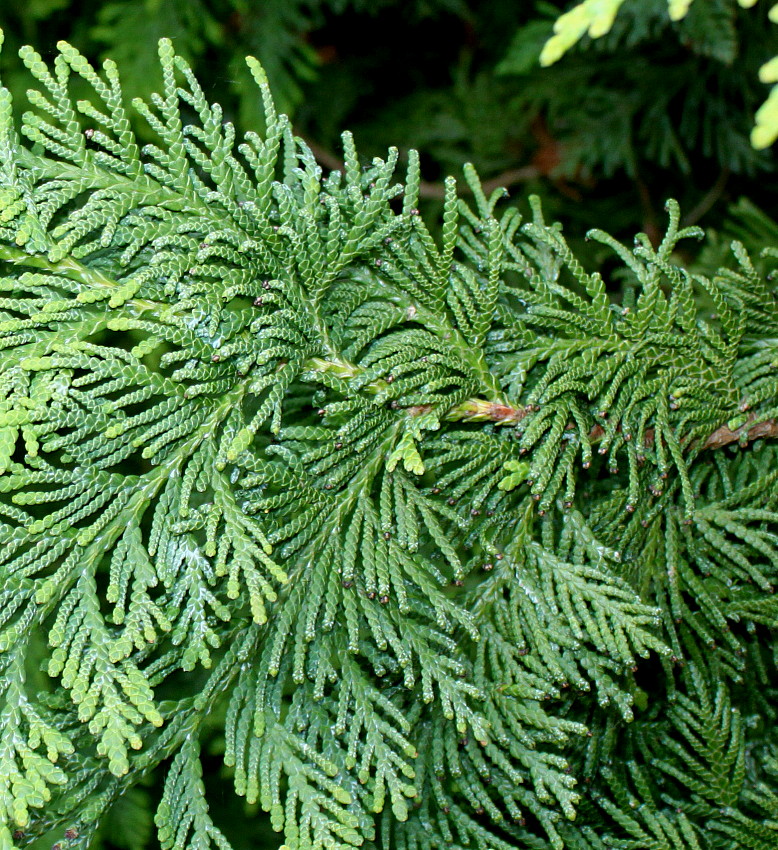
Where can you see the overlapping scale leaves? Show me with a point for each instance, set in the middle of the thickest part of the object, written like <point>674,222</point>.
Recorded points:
<point>423,512</point>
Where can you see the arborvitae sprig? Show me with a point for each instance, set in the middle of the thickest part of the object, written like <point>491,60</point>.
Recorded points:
<point>467,547</point>
<point>595,18</point>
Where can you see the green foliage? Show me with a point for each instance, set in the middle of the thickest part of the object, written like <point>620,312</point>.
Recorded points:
<point>653,109</point>
<point>651,93</point>
<point>596,17</point>
<point>467,553</point>
<point>129,32</point>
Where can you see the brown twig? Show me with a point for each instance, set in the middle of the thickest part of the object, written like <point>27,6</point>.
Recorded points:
<point>479,410</point>
<point>747,432</point>
<point>722,436</point>
<point>435,191</point>
<point>707,200</point>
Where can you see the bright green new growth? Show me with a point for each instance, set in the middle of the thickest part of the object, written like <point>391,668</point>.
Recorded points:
<point>596,17</point>
<point>467,549</point>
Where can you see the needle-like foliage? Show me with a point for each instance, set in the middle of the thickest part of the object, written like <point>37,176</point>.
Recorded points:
<point>469,554</point>
<point>595,18</point>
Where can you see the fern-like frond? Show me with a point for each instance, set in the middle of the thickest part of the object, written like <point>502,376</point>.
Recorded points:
<point>421,510</point>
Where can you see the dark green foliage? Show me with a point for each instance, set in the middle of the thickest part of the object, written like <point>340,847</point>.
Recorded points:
<point>467,553</point>
<point>658,92</point>
<point>654,109</point>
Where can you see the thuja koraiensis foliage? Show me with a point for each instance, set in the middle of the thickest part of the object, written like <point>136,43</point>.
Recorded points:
<point>469,552</point>
<point>595,18</point>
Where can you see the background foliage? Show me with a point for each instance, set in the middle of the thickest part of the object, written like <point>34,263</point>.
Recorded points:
<point>654,109</point>
<point>651,110</point>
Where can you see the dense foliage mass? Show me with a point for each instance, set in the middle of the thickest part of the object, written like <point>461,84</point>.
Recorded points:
<point>655,108</point>
<point>596,17</point>
<point>443,545</point>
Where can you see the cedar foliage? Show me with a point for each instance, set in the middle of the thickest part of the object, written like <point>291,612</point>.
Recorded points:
<point>474,555</point>
<point>596,18</point>
<point>654,109</point>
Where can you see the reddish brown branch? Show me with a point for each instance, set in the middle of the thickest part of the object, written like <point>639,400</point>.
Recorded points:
<point>479,410</point>
<point>708,200</point>
<point>722,436</point>
<point>747,432</point>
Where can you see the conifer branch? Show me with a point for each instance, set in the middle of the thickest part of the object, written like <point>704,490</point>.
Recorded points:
<point>426,632</point>
<point>479,410</point>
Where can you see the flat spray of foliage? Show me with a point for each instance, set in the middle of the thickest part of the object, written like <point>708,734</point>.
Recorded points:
<point>468,554</point>
<point>596,17</point>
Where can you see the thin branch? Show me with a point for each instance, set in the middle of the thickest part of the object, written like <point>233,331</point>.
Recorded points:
<point>435,191</point>
<point>707,200</point>
<point>479,410</point>
<point>482,410</point>
<point>723,436</point>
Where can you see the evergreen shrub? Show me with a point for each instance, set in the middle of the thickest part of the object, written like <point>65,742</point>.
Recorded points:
<point>452,545</point>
